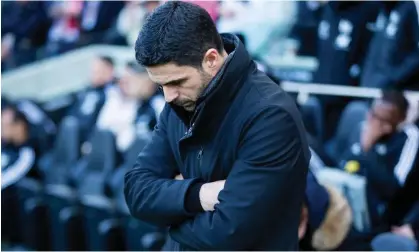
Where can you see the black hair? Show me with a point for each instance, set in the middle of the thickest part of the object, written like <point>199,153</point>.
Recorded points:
<point>397,99</point>
<point>5,102</point>
<point>177,32</point>
<point>108,60</point>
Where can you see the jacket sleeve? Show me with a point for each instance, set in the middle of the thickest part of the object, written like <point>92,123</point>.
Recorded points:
<point>151,192</point>
<point>267,179</point>
<point>412,217</point>
<point>379,175</point>
<point>19,168</point>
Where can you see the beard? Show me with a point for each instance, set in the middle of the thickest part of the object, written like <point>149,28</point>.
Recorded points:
<point>190,104</point>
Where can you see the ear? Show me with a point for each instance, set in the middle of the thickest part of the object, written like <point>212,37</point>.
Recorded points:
<point>211,62</point>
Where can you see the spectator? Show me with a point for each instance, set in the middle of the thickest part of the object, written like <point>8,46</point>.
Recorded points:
<point>18,152</point>
<point>344,33</point>
<point>42,127</point>
<point>386,153</point>
<point>306,26</point>
<point>24,27</point>
<point>90,101</point>
<point>131,20</point>
<point>95,20</point>
<point>65,29</point>
<point>393,56</point>
<point>130,110</point>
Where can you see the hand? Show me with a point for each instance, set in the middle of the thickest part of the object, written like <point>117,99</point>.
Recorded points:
<point>208,195</point>
<point>405,230</point>
<point>370,136</point>
<point>302,228</point>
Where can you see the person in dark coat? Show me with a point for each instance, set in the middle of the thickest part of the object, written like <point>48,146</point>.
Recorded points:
<point>344,33</point>
<point>24,29</point>
<point>305,28</point>
<point>393,55</point>
<point>96,18</point>
<point>235,137</point>
<point>387,154</point>
<point>90,101</point>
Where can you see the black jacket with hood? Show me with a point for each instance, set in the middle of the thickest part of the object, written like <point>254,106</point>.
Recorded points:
<point>246,130</point>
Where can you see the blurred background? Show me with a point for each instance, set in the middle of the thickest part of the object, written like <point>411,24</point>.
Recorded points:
<point>76,109</point>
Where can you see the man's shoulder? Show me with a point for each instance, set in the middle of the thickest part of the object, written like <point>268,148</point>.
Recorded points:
<point>265,94</point>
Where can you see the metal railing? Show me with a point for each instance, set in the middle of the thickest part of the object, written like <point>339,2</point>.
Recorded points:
<point>304,90</point>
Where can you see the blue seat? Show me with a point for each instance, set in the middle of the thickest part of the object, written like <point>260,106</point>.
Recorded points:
<point>353,114</point>
<point>97,207</point>
<point>313,118</point>
<point>139,236</point>
<point>61,199</point>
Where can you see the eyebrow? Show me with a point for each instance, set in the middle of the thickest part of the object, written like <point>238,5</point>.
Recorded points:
<point>174,82</point>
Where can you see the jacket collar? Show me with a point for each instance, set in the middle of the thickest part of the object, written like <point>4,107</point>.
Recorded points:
<point>213,104</point>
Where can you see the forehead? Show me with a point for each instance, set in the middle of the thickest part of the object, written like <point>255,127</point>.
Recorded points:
<point>168,72</point>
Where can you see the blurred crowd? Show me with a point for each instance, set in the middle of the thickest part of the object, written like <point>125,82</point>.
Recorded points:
<point>360,44</point>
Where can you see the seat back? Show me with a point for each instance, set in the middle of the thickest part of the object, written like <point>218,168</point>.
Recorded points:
<point>66,152</point>
<point>313,118</point>
<point>115,180</point>
<point>353,114</point>
<point>91,172</point>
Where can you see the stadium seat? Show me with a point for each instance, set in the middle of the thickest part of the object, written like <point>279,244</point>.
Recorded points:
<point>312,114</point>
<point>353,114</point>
<point>66,152</point>
<point>33,214</point>
<point>97,207</point>
<point>93,169</point>
<point>63,210</point>
<point>139,236</point>
<point>11,226</point>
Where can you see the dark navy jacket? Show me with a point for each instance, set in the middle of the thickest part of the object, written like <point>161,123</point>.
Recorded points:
<point>391,170</point>
<point>393,56</point>
<point>344,34</point>
<point>246,130</point>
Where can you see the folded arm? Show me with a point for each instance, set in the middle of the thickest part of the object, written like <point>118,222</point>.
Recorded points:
<point>151,192</point>
<point>265,187</point>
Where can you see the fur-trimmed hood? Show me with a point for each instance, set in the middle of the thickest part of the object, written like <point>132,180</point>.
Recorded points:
<point>336,224</point>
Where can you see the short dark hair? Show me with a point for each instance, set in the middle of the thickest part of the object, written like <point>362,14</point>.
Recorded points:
<point>108,60</point>
<point>397,99</point>
<point>177,32</point>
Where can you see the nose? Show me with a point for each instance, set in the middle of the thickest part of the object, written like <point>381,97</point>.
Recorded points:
<point>170,94</point>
